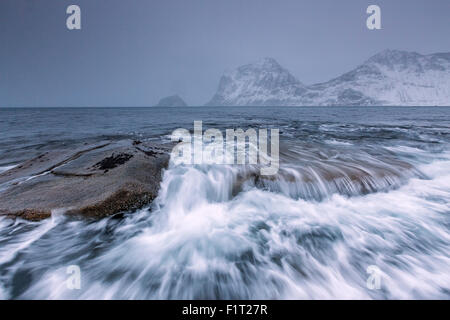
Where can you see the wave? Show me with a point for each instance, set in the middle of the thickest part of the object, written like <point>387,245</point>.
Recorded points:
<point>213,234</point>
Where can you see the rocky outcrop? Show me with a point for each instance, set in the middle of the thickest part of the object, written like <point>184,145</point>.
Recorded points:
<point>94,181</point>
<point>171,101</point>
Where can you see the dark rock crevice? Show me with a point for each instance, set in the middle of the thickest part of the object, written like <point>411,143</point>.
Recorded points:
<point>113,161</point>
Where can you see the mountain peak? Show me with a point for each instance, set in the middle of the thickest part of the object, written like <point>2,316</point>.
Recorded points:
<point>390,56</point>
<point>395,52</point>
<point>267,62</point>
<point>391,77</point>
<point>263,65</point>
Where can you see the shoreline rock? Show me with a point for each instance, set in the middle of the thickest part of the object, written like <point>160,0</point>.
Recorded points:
<point>95,181</point>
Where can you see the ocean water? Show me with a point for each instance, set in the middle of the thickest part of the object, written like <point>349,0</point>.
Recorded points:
<point>359,189</point>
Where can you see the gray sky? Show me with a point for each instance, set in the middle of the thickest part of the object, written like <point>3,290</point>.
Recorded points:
<point>134,52</point>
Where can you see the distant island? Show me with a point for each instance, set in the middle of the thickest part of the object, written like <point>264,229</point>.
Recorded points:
<point>172,101</point>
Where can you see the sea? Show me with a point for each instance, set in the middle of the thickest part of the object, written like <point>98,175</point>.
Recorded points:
<point>360,209</point>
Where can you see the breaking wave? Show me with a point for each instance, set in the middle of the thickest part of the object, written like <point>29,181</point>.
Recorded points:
<point>221,231</point>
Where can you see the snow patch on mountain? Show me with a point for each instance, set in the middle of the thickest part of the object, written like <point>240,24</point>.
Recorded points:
<point>260,84</point>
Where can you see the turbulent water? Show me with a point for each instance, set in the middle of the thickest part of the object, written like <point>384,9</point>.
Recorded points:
<point>358,188</point>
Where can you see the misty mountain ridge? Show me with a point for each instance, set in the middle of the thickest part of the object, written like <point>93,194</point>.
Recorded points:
<point>391,77</point>
<point>172,101</point>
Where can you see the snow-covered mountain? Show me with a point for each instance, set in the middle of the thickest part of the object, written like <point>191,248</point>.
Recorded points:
<point>389,78</point>
<point>171,101</point>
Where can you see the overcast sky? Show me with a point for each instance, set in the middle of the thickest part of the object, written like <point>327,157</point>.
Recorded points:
<point>134,52</point>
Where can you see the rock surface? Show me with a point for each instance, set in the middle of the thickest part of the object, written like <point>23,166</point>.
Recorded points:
<point>94,181</point>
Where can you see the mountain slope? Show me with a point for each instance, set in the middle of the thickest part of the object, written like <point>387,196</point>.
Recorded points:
<point>389,78</point>
<point>171,101</point>
<point>259,84</point>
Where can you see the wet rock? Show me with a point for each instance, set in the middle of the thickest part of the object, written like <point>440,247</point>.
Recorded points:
<point>96,181</point>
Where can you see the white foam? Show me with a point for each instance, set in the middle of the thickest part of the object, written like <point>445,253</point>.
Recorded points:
<point>201,240</point>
